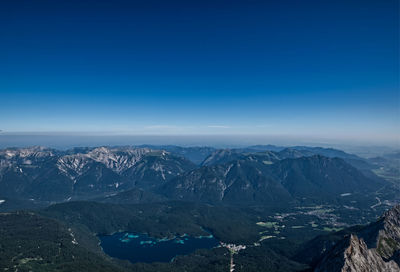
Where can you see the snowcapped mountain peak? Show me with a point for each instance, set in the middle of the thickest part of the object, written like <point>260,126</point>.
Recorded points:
<point>73,165</point>
<point>118,159</point>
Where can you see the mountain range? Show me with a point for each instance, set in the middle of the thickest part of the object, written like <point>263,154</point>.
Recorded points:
<point>47,174</point>
<point>249,176</point>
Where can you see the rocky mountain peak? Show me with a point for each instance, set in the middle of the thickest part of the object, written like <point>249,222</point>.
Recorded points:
<point>389,237</point>
<point>357,257</point>
<point>392,216</point>
<point>352,254</point>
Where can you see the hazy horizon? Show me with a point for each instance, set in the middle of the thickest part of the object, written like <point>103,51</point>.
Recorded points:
<point>71,140</point>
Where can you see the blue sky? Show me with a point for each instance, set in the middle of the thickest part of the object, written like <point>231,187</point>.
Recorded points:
<point>327,69</point>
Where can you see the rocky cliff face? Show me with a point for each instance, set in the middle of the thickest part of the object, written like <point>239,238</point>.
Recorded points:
<point>356,257</point>
<point>352,254</point>
<point>389,236</point>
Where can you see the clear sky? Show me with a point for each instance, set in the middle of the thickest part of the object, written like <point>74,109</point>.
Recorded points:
<point>326,69</point>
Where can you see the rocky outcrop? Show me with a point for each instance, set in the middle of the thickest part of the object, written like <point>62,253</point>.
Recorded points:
<point>356,257</point>
<point>389,236</point>
<point>352,254</point>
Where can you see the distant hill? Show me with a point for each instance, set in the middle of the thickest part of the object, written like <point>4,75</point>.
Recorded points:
<point>257,181</point>
<point>321,176</point>
<point>225,155</point>
<point>239,182</point>
<point>196,154</point>
<point>221,156</point>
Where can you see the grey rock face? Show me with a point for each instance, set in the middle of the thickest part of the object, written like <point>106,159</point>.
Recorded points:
<point>389,237</point>
<point>353,255</point>
<point>359,258</point>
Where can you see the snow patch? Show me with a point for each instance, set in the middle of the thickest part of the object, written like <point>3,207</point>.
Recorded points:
<point>10,154</point>
<point>73,237</point>
<point>345,194</point>
<point>227,170</point>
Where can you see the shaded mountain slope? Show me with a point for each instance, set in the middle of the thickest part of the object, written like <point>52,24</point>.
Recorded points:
<point>238,182</point>
<point>155,168</point>
<point>322,176</point>
<point>259,182</point>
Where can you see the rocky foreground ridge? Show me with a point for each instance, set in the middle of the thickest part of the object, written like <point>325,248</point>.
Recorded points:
<point>374,248</point>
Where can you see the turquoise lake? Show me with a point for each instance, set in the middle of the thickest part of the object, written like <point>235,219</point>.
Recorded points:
<point>137,247</point>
